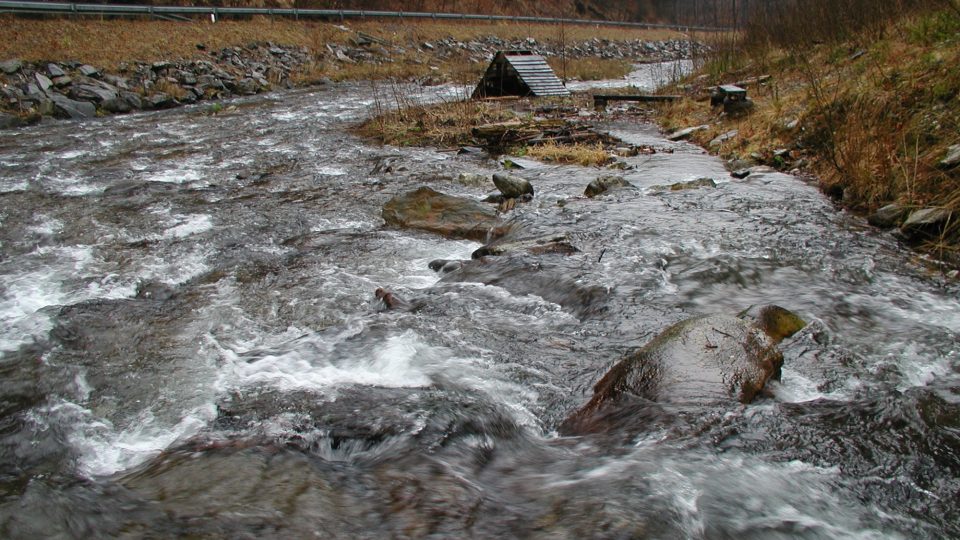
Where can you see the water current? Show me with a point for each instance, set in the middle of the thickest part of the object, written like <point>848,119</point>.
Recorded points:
<point>190,344</point>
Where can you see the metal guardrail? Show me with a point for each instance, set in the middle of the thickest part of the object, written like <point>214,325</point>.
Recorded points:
<point>7,6</point>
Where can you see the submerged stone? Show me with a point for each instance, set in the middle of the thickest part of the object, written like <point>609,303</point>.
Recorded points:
<point>689,184</point>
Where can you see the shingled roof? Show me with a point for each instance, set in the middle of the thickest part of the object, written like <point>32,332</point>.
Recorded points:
<point>519,73</point>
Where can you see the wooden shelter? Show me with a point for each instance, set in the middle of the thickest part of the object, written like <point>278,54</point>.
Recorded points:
<point>519,73</point>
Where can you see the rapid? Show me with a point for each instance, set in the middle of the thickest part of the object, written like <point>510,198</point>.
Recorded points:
<point>190,344</point>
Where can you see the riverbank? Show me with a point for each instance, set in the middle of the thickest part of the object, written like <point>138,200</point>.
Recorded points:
<point>79,69</point>
<point>873,115</point>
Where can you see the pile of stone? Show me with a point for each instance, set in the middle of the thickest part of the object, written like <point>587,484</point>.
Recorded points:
<point>483,49</point>
<point>30,90</point>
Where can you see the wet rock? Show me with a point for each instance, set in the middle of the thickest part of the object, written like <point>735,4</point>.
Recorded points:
<point>247,87</point>
<point>512,187</point>
<point>160,100</point>
<point>605,183</point>
<point>447,215</point>
<point>690,184</point>
<point>132,99</point>
<point>210,81</point>
<point>45,107</point>
<point>8,121</point>
<point>925,223</point>
<point>534,246</point>
<point>390,300</point>
<point>116,105</point>
<point>706,360</point>
<point>952,159</point>
<point>685,133</point>
<point>445,266</point>
<point>889,216</point>
<point>724,137</point>
<point>11,66</point>
<point>65,107</point>
<point>544,276</point>
<point>88,71</point>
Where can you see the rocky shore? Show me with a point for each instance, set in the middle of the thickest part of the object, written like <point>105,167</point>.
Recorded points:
<point>32,91</point>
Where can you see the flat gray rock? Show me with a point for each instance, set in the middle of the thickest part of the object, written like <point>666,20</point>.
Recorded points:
<point>952,159</point>
<point>724,137</point>
<point>685,133</point>
<point>55,71</point>
<point>11,66</point>
<point>65,107</point>
<point>88,71</point>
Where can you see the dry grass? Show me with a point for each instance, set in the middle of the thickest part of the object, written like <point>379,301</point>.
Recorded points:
<point>585,155</point>
<point>442,125</point>
<point>876,114</point>
<point>107,43</point>
<point>590,69</point>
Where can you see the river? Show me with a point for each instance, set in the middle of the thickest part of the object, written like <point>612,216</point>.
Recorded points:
<point>191,345</point>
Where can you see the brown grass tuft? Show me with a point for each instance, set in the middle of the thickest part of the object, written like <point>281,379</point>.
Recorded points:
<point>401,122</point>
<point>585,155</point>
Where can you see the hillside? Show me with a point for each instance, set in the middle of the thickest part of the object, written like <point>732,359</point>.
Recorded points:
<point>872,112</point>
<point>691,12</point>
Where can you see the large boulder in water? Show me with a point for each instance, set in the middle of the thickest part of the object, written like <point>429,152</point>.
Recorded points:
<point>702,361</point>
<point>512,187</point>
<point>450,216</point>
<point>605,183</point>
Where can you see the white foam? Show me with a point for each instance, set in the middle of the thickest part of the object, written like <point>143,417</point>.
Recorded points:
<point>918,367</point>
<point>10,186</point>
<point>189,225</point>
<point>175,176</point>
<point>71,154</point>
<point>103,450</point>
<point>175,270</point>
<point>26,293</point>
<point>287,115</point>
<point>309,364</point>
<point>47,226</point>
<point>343,223</point>
<point>331,171</point>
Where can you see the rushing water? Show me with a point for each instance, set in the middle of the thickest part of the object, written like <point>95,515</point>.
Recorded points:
<point>191,345</point>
